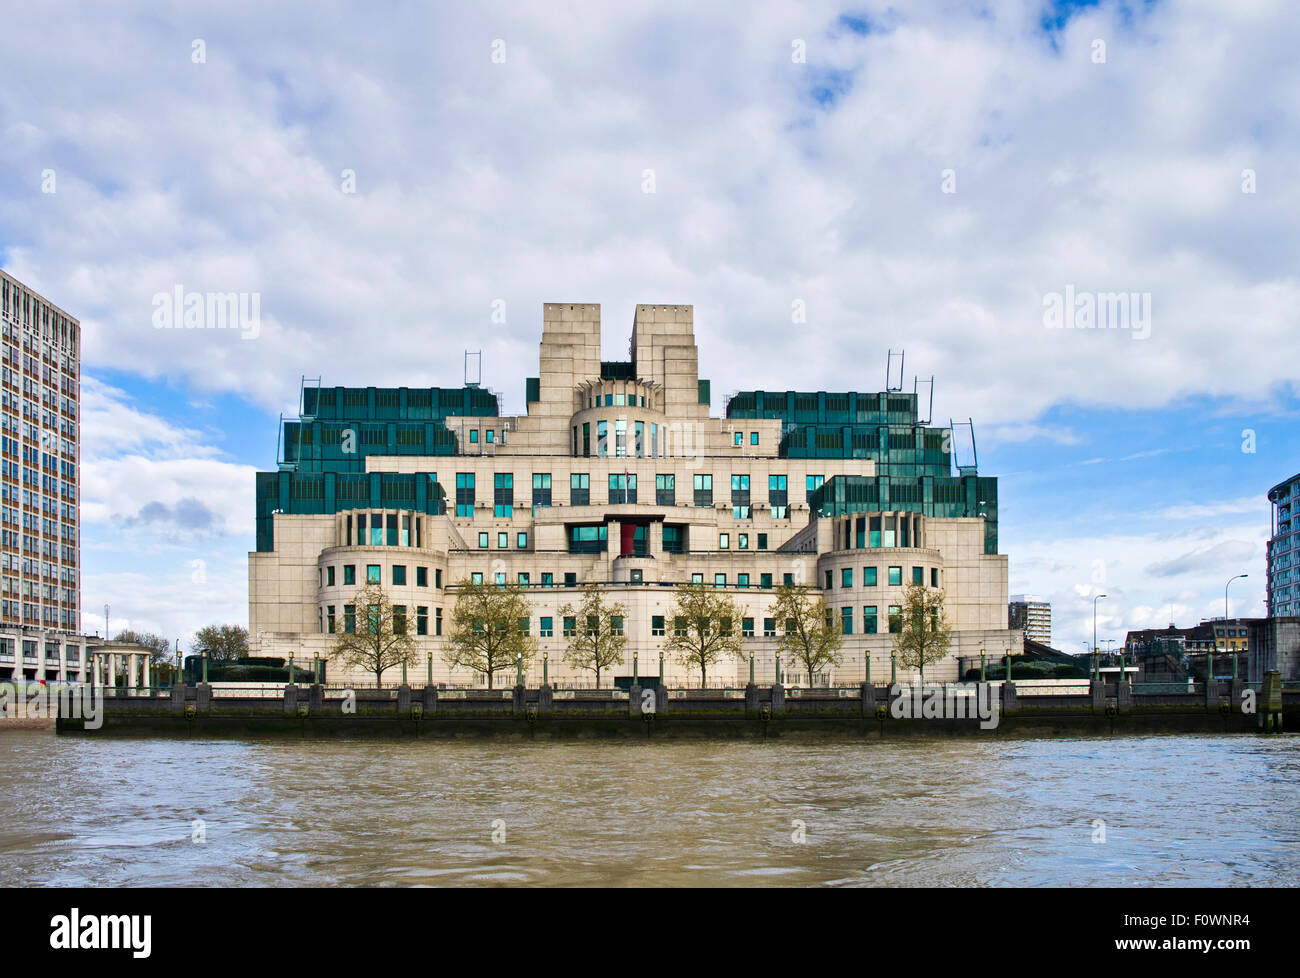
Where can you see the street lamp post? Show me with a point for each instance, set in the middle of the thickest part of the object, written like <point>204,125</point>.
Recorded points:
<point>1094,620</point>
<point>1225,598</point>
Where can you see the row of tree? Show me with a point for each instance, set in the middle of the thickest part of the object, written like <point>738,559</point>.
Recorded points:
<point>489,630</point>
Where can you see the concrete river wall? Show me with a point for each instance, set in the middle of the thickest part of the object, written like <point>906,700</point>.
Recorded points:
<point>866,710</point>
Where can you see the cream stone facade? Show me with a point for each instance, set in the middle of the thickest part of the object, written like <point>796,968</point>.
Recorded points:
<point>617,474</point>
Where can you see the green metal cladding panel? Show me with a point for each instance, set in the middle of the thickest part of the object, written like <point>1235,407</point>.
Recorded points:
<point>319,493</point>
<point>944,497</point>
<point>397,403</point>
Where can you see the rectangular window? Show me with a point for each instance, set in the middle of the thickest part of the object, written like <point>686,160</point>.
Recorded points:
<point>934,577</point>
<point>464,494</point>
<point>329,619</point>
<point>753,437</point>
<point>586,439</point>
<point>524,579</point>
<point>349,574</point>
<point>499,578</point>
<point>814,482</point>
<point>570,626</point>
<point>895,619</point>
<point>787,580</point>
<point>869,620</point>
<point>349,618</point>
<point>740,497</point>
<point>422,619</point>
<point>640,439</point>
<point>665,490</point>
<point>739,436</point>
<point>703,490</point>
<point>890,532</point>
<point>329,575</point>
<point>570,580</point>
<point>622,488</point>
<point>765,581</point>
<point>437,578</point>
<point>437,621</point>
<point>620,437</point>
<point>372,574</point>
<point>829,581</point>
<point>548,580</point>
<point>846,620</point>
<point>918,575</point>
<point>895,576</point>
<point>602,438</point>
<point>490,435</point>
<point>541,489</point>
<point>868,577</point>
<point>503,541</point>
<point>421,577</point>
<point>547,629</point>
<point>390,536</point>
<point>742,580</point>
<point>742,541</point>
<point>399,575</point>
<point>399,619</point>
<point>503,489</point>
<point>697,578</point>
<point>656,625</point>
<point>873,524</point>
<point>778,497</point>
<point>724,541</point>
<point>747,627</point>
<point>846,577</point>
<point>473,436</point>
<point>719,580</point>
<point>521,541</point>
<point>579,489</point>
<point>769,627</point>
<point>476,577</point>
<point>483,540</point>
<point>762,541</point>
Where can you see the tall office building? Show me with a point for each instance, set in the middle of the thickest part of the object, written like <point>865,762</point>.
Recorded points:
<point>1283,545</point>
<point>40,455</point>
<point>618,474</point>
<point>1032,615</point>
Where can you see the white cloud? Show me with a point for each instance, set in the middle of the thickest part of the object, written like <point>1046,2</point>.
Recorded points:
<point>522,181</point>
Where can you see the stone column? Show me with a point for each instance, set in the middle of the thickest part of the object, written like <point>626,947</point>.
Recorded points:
<point>144,673</point>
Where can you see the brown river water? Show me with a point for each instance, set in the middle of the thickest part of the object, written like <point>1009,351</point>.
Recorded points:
<point>1177,811</point>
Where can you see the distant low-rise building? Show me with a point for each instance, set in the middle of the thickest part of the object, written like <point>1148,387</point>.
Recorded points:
<point>1179,651</point>
<point>1032,615</point>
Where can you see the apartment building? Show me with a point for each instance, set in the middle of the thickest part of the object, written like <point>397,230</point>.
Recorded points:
<point>40,455</point>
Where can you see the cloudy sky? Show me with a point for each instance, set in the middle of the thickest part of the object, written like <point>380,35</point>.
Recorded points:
<point>924,176</point>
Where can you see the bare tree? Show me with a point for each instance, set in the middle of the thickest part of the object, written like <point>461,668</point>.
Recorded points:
<point>599,638</point>
<point>810,635</point>
<point>489,629</point>
<point>376,635</point>
<point>705,628</point>
<point>924,635</point>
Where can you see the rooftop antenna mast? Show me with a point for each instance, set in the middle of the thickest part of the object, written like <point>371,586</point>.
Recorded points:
<point>916,383</point>
<point>473,368</point>
<point>889,372</point>
<point>973,468</point>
